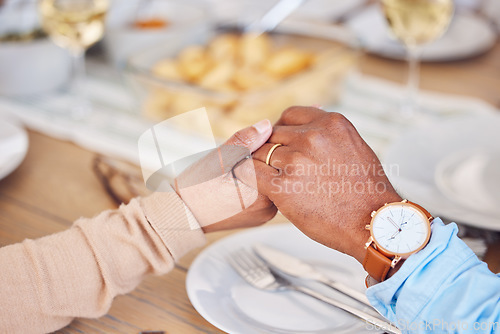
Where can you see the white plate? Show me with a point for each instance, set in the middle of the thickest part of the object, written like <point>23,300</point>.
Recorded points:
<point>467,36</point>
<point>471,178</point>
<point>418,153</point>
<point>224,299</point>
<point>13,147</point>
<point>245,11</point>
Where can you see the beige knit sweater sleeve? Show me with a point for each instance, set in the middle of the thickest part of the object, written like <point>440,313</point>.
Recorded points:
<point>45,283</point>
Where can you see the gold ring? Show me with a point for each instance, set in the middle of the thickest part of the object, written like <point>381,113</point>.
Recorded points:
<point>268,159</point>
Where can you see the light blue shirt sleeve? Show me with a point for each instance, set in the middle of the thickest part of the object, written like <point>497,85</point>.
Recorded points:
<point>444,288</point>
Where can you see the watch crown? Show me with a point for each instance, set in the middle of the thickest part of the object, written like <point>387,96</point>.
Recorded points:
<point>367,227</point>
<point>373,213</point>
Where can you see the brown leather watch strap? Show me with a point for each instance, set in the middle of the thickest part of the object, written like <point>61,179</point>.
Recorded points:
<point>427,214</point>
<point>376,264</point>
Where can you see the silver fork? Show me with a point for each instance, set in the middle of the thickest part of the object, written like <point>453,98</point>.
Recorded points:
<point>258,274</point>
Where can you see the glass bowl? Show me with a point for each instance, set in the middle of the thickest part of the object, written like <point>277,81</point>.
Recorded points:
<point>233,109</point>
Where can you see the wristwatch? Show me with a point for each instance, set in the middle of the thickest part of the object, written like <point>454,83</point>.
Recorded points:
<point>397,230</point>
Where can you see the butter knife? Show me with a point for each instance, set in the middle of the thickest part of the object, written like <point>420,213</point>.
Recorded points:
<point>297,268</point>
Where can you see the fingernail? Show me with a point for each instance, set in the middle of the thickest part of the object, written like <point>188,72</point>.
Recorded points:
<point>262,126</point>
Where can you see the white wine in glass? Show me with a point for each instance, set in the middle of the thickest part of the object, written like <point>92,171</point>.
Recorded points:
<point>415,23</point>
<point>75,25</point>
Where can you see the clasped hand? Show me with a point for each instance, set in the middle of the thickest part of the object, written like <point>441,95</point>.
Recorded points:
<point>324,178</point>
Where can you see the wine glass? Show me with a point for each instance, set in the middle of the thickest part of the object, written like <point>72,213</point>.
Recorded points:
<point>75,25</point>
<point>415,23</point>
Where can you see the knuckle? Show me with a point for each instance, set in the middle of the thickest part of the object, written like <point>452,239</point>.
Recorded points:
<point>241,138</point>
<point>335,117</point>
<point>295,158</point>
<point>338,121</point>
<point>314,137</point>
<point>288,112</point>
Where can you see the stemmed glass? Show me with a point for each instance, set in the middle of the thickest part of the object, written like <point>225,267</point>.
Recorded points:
<point>75,25</point>
<point>415,23</point>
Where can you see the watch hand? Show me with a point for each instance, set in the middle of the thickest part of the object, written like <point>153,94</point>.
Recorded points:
<point>393,223</point>
<point>394,235</point>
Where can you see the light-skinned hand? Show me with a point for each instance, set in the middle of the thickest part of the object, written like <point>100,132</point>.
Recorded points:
<point>217,199</point>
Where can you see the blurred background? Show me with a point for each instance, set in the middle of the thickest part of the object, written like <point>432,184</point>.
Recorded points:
<point>81,80</point>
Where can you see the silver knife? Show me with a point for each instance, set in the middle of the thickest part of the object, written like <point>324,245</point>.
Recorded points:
<point>297,268</point>
<point>375,321</point>
<point>274,16</point>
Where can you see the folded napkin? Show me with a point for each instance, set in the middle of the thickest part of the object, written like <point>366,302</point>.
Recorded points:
<point>112,129</point>
<point>372,105</point>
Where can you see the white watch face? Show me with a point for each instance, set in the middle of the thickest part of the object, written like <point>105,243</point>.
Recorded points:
<point>400,228</point>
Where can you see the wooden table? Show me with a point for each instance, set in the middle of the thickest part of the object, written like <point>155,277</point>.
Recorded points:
<point>55,185</point>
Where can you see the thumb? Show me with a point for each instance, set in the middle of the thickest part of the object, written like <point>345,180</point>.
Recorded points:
<point>252,137</point>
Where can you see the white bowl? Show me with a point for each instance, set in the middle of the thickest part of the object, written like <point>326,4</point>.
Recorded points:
<point>13,147</point>
<point>29,68</point>
<point>122,39</point>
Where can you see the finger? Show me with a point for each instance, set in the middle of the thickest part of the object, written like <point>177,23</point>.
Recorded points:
<point>268,183</point>
<point>284,135</point>
<point>278,156</point>
<point>259,176</point>
<point>252,137</point>
<point>299,115</point>
<point>224,158</point>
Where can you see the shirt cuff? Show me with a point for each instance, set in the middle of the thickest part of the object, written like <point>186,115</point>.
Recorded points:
<point>174,223</point>
<point>421,275</point>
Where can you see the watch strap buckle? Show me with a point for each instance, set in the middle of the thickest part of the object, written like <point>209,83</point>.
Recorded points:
<point>395,261</point>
